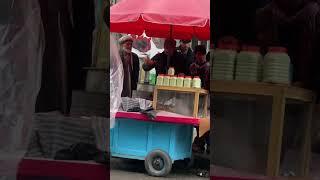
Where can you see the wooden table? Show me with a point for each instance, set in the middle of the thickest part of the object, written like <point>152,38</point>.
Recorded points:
<point>281,95</point>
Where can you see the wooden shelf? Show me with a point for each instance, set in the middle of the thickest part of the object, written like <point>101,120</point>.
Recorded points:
<point>280,95</point>
<point>182,89</point>
<point>261,89</point>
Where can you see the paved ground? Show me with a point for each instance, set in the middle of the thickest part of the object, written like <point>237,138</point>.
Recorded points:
<point>122,169</point>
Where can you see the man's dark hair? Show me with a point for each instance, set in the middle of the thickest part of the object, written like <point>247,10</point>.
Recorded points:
<point>200,48</point>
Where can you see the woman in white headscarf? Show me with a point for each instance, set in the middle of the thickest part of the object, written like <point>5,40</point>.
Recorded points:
<point>21,51</point>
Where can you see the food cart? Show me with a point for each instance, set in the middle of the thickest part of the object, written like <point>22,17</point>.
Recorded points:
<point>168,137</point>
<point>160,141</point>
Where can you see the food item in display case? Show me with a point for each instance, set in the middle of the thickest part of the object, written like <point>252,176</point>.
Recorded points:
<point>166,80</point>
<point>180,80</point>
<point>187,82</point>
<point>171,71</point>
<point>196,82</point>
<point>173,81</point>
<point>160,80</point>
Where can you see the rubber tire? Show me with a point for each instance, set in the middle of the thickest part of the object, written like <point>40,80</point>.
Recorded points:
<point>166,160</point>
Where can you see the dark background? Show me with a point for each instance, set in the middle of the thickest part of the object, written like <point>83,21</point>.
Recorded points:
<point>234,17</point>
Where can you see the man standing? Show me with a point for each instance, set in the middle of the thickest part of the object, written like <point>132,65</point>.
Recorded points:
<point>130,63</point>
<point>168,58</point>
<point>201,67</point>
<point>186,53</point>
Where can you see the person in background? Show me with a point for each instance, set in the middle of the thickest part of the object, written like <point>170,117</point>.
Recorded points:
<point>201,68</point>
<point>208,57</point>
<point>186,52</point>
<point>130,63</point>
<point>168,58</point>
<point>294,24</point>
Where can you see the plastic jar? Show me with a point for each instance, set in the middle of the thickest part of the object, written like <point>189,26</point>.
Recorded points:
<point>180,80</point>
<point>249,64</point>
<point>173,81</point>
<point>160,80</point>
<point>171,71</point>
<point>166,80</point>
<point>196,82</point>
<point>187,82</point>
<point>224,63</point>
<point>277,65</point>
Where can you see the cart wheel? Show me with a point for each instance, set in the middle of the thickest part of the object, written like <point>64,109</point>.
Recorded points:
<point>158,163</point>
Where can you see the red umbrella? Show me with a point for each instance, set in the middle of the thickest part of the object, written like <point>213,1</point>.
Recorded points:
<point>178,19</point>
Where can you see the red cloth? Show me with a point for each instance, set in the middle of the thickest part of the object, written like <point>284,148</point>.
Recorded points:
<point>159,18</point>
<point>165,117</point>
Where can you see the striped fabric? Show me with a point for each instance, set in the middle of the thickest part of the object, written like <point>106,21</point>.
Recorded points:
<point>56,132</point>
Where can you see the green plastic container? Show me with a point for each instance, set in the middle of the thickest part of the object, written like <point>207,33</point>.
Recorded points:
<point>249,65</point>
<point>277,66</point>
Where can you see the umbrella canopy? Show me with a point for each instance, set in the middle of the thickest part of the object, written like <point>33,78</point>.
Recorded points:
<point>178,19</point>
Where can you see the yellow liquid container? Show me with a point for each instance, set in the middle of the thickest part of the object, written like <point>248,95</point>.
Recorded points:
<point>160,80</point>
<point>187,82</point>
<point>166,80</point>
<point>180,80</point>
<point>196,82</point>
<point>173,81</point>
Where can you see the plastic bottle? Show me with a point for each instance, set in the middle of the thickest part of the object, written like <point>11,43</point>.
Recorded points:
<point>187,82</point>
<point>173,81</point>
<point>166,80</point>
<point>180,80</point>
<point>196,82</point>
<point>152,77</point>
<point>160,80</point>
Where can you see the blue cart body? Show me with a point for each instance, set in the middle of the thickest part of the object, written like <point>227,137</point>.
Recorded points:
<point>135,139</point>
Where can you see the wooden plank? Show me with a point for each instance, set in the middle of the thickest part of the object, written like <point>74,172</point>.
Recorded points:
<point>182,89</point>
<point>206,106</point>
<point>196,105</point>
<point>276,132</point>
<point>237,87</point>
<point>300,94</point>
<point>262,89</point>
<point>155,98</point>
<point>306,149</point>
